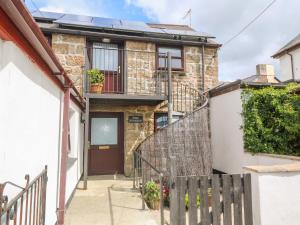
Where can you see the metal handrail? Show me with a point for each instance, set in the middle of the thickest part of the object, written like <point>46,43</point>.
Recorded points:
<point>160,174</point>
<point>38,213</point>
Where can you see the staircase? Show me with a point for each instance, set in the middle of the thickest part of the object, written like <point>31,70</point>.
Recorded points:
<point>181,148</point>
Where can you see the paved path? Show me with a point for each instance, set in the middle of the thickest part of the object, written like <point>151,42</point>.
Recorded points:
<point>109,201</point>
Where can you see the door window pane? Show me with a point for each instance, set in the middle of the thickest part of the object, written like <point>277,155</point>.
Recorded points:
<point>104,131</point>
<point>105,56</point>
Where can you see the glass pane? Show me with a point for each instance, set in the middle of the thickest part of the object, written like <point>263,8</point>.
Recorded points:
<point>176,63</point>
<point>161,121</point>
<point>174,51</point>
<point>105,56</point>
<point>104,131</point>
<point>162,62</point>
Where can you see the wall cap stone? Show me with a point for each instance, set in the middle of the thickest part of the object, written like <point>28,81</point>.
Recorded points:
<point>290,157</point>
<point>294,167</point>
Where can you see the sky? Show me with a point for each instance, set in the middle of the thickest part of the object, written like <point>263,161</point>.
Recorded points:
<point>221,18</point>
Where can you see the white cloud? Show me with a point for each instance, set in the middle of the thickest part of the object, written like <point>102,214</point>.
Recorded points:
<point>224,19</point>
<point>81,7</point>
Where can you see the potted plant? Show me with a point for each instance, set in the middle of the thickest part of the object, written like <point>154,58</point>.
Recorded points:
<point>96,80</point>
<point>152,195</point>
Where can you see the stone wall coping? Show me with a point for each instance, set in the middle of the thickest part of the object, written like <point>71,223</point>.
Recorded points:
<point>290,157</point>
<point>293,167</point>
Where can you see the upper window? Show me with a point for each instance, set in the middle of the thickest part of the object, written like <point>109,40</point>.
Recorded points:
<point>176,57</point>
<point>105,56</point>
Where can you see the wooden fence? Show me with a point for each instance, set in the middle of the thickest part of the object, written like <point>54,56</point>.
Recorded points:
<point>224,200</point>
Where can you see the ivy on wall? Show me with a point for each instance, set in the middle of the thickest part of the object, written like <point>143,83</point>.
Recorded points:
<point>272,120</point>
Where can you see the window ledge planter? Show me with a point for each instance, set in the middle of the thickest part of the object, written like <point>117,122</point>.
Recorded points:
<point>96,88</point>
<point>96,80</point>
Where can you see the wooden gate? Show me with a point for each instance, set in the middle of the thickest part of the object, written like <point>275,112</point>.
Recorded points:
<point>216,200</point>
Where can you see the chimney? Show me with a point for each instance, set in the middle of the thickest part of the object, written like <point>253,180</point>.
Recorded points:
<point>266,73</point>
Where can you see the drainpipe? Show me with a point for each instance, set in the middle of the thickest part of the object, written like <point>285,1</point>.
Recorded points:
<point>170,90</point>
<point>64,157</point>
<point>292,65</point>
<point>203,68</point>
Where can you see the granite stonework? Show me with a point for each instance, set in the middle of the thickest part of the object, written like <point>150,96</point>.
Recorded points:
<point>143,79</point>
<point>134,133</point>
<point>70,52</point>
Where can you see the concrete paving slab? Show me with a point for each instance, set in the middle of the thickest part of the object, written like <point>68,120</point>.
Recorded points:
<point>109,200</point>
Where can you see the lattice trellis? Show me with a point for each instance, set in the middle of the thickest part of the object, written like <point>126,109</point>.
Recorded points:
<point>182,147</point>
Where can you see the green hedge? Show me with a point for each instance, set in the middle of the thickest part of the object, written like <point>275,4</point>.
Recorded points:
<point>272,120</point>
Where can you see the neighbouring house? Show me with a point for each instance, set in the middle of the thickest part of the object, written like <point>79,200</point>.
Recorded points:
<point>275,178</point>
<point>227,136</point>
<point>289,57</point>
<point>38,103</point>
<point>133,57</point>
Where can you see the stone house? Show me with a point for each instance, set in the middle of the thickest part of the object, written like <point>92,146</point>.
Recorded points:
<point>133,57</point>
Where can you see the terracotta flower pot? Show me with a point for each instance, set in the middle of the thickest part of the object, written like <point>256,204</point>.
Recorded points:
<point>154,204</point>
<point>96,88</point>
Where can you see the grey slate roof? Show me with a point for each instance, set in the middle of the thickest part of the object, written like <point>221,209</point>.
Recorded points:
<point>81,21</point>
<point>291,44</point>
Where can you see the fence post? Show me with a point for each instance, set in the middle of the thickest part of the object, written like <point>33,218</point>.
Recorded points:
<point>173,193</point>
<point>161,199</point>
<point>170,89</point>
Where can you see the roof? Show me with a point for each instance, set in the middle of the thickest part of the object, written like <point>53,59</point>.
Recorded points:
<point>226,87</point>
<point>20,27</point>
<point>261,79</point>
<point>293,44</point>
<point>123,26</point>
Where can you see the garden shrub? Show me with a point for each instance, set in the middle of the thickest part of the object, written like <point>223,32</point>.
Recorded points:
<point>272,120</point>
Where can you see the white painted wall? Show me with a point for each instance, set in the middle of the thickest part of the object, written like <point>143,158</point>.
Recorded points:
<point>276,198</point>
<point>286,68</point>
<point>30,131</point>
<point>227,136</point>
<point>75,160</point>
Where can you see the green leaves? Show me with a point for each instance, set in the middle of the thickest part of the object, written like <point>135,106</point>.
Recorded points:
<point>96,76</point>
<point>151,191</point>
<point>272,120</point>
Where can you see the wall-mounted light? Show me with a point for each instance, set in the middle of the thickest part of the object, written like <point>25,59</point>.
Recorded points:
<point>105,40</point>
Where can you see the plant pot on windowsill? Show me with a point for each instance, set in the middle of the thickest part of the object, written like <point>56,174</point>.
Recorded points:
<point>97,79</point>
<point>96,88</point>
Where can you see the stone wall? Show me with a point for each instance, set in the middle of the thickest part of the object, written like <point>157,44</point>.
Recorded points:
<point>141,70</point>
<point>193,66</point>
<point>70,52</point>
<point>134,133</point>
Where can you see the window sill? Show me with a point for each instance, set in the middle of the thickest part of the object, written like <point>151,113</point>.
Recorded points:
<point>71,162</point>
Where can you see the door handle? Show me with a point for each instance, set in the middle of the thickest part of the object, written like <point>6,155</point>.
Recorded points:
<point>119,69</point>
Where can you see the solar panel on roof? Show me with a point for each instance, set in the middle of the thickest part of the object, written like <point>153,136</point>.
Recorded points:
<point>138,26</point>
<point>47,15</point>
<point>77,18</point>
<point>125,25</point>
<point>106,22</point>
<point>74,23</point>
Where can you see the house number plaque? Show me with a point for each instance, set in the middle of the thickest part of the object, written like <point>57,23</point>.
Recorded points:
<point>135,119</point>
